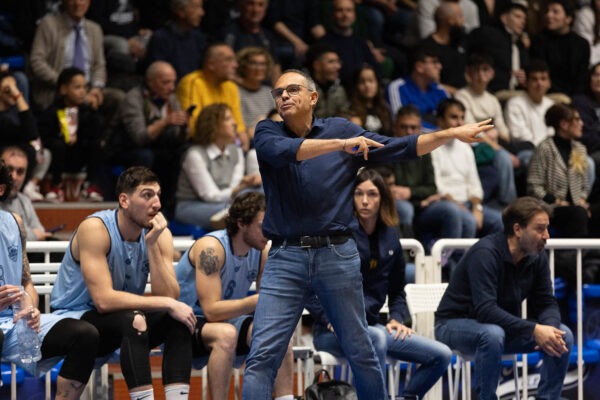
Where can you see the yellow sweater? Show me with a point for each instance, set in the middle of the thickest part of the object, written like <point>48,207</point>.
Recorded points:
<point>194,90</point>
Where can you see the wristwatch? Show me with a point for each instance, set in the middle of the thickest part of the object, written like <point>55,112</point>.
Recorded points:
<point>478,207</point>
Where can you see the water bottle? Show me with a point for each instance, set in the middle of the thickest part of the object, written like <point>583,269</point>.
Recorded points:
<point>29,341</point>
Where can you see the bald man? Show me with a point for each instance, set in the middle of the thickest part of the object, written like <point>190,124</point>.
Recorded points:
<point>213,84</point>
<point>151,127</point>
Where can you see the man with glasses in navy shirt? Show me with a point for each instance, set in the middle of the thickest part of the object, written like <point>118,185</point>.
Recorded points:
<point>308,166</point>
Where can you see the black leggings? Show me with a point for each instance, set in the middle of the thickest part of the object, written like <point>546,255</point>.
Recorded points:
<point>77,342</point>
<point>117,331</point>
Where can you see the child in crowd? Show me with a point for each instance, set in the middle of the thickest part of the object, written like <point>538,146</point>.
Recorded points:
<point>71,129</point>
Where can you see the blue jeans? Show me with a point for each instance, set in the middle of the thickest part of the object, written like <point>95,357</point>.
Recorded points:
<point>444,219</point>
<point>432,356</point>
<point>507,190</point>
<point>487,343</point>
<point>591,172</point>
<point>406,212</point>
<point>197,212</point>
<point>492,219</point>
<point>290,275</point>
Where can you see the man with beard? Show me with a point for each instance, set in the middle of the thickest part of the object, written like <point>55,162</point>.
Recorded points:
<point>102,280</point>
<point>480,313</point>
<point>215,275</point>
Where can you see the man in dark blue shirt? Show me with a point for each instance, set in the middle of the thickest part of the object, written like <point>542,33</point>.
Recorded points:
<point>480,312</point>
<point>308,168</point>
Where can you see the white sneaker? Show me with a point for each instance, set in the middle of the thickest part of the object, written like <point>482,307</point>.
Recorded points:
<point>32,191</point>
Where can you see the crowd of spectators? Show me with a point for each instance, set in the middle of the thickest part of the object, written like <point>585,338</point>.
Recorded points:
<point>90,87</point>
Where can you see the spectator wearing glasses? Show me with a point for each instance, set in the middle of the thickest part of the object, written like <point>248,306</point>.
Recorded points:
<point>255,65</point>
<point>308,166</point>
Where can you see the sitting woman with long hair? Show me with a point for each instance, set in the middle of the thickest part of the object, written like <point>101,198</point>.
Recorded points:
<point>367,102</point>
<point>558,172</point>
<point>382,268</point>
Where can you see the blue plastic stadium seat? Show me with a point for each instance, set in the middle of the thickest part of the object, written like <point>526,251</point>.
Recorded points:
<point>5,372</point>
<point>180,229</point>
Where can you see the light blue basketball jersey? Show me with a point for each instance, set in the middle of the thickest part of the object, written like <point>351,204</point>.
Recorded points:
<point>11,273</point>
<point>11,255</point>
<point>237,273</point>
<point>127,261</point>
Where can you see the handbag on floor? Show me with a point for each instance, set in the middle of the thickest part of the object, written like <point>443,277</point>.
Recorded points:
<point>329,389</point>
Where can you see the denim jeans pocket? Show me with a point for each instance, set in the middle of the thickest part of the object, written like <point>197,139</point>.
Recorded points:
<point>345,250</point>
<point>273,251</point>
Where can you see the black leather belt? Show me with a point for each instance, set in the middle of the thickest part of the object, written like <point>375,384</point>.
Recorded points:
<point>312,242</point>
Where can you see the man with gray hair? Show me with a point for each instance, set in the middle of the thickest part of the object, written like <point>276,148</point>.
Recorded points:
<point>308,166</point>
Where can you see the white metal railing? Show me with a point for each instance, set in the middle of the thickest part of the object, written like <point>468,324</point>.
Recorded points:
<point>44,273</point>
<point>438,249</point>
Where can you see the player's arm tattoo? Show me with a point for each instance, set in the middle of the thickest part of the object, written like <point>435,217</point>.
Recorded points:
<point>208,262</point>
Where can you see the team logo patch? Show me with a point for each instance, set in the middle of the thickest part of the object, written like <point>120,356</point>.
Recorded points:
<point>13,253</point>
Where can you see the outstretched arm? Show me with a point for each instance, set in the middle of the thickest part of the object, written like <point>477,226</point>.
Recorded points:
<point>465,133</point>
<point>311,148</point>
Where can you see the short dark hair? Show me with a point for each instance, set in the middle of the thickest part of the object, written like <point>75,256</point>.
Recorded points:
<point>132,177</point>
<point>316,51</point>
<point>387,207</point>
<point>521,211</point>
<point>67,74</point>
<point>409,109</point>
<point>445,104</point>
<point>421,53</point>
<point>479,59</point>
<point>244,209</point>
<point>567,5</point>
<point>5,179</point>
<point>536,65</point>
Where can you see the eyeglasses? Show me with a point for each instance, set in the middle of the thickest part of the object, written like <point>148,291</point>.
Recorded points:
<point>292,90</point>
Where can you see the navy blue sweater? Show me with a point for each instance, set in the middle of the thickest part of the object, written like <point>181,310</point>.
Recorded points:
<point>487,286</point>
